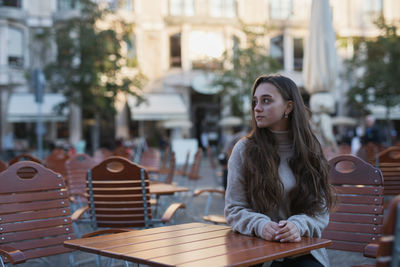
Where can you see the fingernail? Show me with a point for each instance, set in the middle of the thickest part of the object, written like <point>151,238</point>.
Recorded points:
<point>276,232</point>
<point>277,237</point>
<point>282,240</point>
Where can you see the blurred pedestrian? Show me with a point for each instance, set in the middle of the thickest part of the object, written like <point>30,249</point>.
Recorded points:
<point>278,186</point>
<point>372,131</point>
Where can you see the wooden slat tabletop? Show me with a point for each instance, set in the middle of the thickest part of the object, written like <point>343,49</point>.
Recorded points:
<point>158,188</point>
<point>192,244</point>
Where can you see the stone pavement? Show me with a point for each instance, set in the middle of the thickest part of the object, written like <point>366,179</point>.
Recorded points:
<point>194,213</point>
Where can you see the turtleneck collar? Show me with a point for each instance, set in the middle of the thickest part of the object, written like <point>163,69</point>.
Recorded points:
<point>282,137</point>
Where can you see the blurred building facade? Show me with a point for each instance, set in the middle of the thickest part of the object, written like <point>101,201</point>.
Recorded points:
<point>176,44</point>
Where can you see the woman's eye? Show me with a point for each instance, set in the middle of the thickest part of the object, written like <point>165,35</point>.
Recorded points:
<point>254,103</point>
<point>266,100</point>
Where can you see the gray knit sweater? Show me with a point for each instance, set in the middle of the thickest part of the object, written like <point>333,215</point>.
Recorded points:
<point>243,219</point>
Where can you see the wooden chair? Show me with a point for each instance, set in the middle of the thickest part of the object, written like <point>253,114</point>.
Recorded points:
<point>23,157</point>
<point>35,214</point>
<point>150,159</point>
<point>183,170</point>
<point>388,161</point>
<point>214,218</point>
<point>101,154</point>
<point>119,195</point>
<point>77,167</point>
<point>357,218</point>
<point>387,249</point>
<point>35,218</point>
<point>170,171</point>
<point>3,166</point>
<point>193,173</point>
<point>56,161</point>
<point>124,152</point>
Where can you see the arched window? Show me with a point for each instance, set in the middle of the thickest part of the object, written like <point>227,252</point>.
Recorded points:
<point>276,48</point>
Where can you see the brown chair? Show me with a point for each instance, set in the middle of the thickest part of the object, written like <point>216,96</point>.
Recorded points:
<point>124,152</point>
<point>77,167</point>
<point>150,159</point>
<point>214,218</point>
<point>101,154</point>
<point>193,173</point>
<point>119,195</point>
<point>23,157</point>
<point>357,218</point>
<point>387,249</point>
<point>56,161</point>
<point>3,166</point>
<point>35,218</point>
<point>183,170</point>
<point>389,163</point>
<point>170,171</point>
<point>35,214</point>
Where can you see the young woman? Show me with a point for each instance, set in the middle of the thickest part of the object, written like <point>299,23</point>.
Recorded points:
<point>278,185</point>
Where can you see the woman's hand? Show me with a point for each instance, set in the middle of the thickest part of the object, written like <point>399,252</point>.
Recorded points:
<point>287,232</point>
<point>269,231</point>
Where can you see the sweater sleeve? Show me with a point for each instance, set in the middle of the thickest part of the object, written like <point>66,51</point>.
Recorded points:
<point>237,211</point>
<point>310,226</point>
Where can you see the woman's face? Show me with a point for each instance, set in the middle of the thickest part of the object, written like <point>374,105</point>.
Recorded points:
<point>270,107</point>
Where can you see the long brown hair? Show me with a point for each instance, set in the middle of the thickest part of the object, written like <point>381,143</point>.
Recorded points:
<point>312,193</point>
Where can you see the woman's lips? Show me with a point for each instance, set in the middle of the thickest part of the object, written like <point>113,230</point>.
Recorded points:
<point>259,118</point>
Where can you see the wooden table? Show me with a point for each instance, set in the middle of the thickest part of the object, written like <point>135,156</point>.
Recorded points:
<point>192,244</point>
<point>158,188</point>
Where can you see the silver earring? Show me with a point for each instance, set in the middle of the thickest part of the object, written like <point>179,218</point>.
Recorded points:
<point>286,115</point>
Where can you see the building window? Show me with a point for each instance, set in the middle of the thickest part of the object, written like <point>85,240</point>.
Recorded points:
<point>64,5</point>
<point>175,50</point>
<point>131,52</point>
<point>372,9</point>
<point>15,45</point>
<point>298,53</point>
<point>280,9</point>
<point>276,48</point>
<point>181,7</point>
<point>125,5</point>
<point>223,8</point>
<point>11,3</point>
<point>206,49</point>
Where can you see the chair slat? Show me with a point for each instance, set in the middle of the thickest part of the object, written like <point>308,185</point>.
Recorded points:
<point>39,214</point>
<point>41,205</point>
<point>34,234</point>
<point>354,227</point>
<point>351,236</point>
<point>35,224</point>
<point>32,196</point>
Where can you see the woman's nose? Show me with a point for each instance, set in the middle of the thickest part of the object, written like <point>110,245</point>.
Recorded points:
<point>257,107</point>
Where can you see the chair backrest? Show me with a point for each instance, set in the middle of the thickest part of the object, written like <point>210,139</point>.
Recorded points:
<point>23,157</point>
<point>389,164</point>
<point>119,194</point>
<point>171,169</point>
<point>34,212</point>
<point>3,166</point>
<point>101,154</point>
<point>56,161</point>
<point>195,168</point>
<point>77,167</point>
<point>122,151</point>
<point>151,159</point>
<point>357,218</point>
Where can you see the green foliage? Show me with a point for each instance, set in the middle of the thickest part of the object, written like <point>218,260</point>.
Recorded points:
<point>89,62</point>
<point>242,67</point>
<point>378,60</point>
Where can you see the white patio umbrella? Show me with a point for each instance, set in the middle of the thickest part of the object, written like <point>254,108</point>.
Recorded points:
<point>320,59</point>
<point>320,69</point>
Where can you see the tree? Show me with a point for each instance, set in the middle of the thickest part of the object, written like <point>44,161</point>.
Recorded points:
<point>89,62</point>
<point>376,69</point>
<point>242,67</point>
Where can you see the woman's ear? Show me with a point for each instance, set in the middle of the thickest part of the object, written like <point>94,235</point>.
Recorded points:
<point>289,107</point>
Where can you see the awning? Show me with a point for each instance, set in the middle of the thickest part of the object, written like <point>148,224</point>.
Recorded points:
<point>23,108</point>
<point>157,107</point>
<point>379,112</point>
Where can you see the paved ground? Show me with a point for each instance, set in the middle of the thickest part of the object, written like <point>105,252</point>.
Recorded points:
<point>193,213</point>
